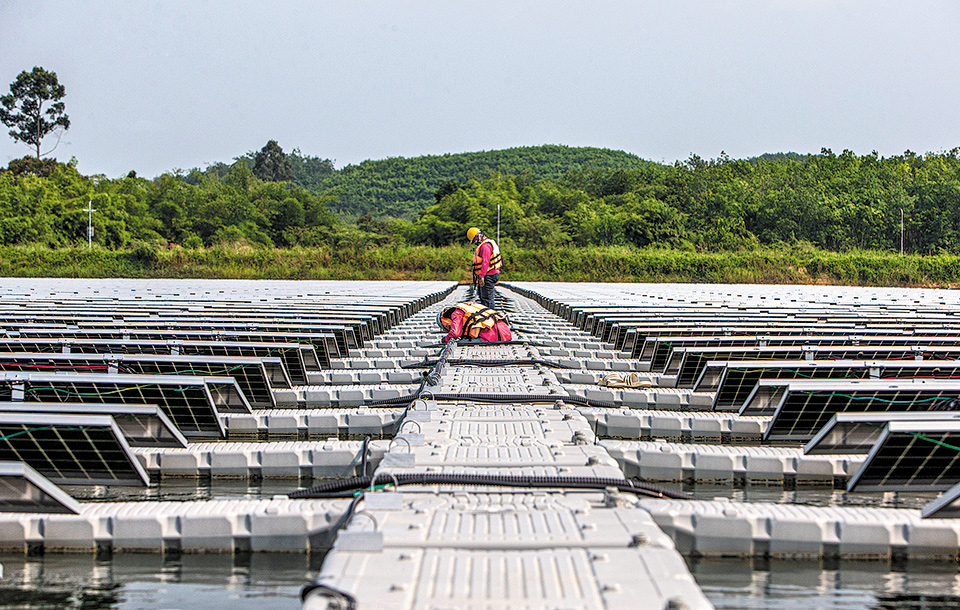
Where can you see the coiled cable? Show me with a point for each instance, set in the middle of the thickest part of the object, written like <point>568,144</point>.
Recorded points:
<point>347,487</point>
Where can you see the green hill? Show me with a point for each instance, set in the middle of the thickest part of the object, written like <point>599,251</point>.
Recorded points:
<point>402,187</point>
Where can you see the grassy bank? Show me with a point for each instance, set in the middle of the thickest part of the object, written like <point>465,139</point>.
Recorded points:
<point>593,264</point>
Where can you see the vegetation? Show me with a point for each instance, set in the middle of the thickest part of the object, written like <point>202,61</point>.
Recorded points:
<point>564,214</point>
<point>401,188</point>
<point>833,202</point>
<point>48,209</point>
<point>449,263</point>
<point>33,108</point>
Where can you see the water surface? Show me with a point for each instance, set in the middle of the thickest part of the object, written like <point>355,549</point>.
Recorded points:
<point>66,581</point>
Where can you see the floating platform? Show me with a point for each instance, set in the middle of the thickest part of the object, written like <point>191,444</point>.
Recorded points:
<point>495,475</point>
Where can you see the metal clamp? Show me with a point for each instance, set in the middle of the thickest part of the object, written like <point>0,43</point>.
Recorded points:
<point>383,501</point>
<point>360,540</point>
<point>363,513</point>
<point>417,424</point>
<point>373,480</point>
<point>409,446</point>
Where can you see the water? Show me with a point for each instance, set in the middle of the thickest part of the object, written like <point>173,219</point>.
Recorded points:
<point>810,496</point>
<point>261,581</point>
<point>274,581</point>
<point>213,582</point>
<point>188,489</point>
<point>802,585</point>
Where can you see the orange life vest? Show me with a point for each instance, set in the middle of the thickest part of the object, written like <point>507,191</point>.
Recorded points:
<point>478,318</point>
<point>495,261</point>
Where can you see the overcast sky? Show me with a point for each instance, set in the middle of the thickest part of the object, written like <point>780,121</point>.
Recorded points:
<point>159,85</point>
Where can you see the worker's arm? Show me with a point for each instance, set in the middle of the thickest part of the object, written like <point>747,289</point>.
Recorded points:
<point>486,251</point>
<point>456,326</point>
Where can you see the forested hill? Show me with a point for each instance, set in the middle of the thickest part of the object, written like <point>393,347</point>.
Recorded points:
<point>401,187</point>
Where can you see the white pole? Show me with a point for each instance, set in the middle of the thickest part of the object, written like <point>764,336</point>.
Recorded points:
<point>498,222</point>
<point>901,231</point>
<point>90,212</point>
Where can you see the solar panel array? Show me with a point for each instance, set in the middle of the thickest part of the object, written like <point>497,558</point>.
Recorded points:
<point>90,368</point>
<point>854,433</point>
<point>141,425</point>
<point>251,374</point>
<point>70,449</point>
<point>192,403</point>
<point>732,381</point>
<point>912,455</point>
<point>689,363</point>
<point>865,371</point>
<point>802,407</point>
<point>297,358</point>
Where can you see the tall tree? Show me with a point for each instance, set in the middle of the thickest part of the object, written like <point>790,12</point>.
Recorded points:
<point>34,109</point>
<point>271,164</point>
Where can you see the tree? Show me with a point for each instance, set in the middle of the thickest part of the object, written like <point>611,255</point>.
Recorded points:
<point>447,188</point>
<point>33,108</point>
<point>32,165</point>
<point>271,164</point>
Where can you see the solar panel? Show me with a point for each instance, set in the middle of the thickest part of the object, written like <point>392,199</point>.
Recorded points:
<point>190,402</point>
<point>912,456</point>
<point>732,381</point>
<point>688,363</point>
<point>365,321</point>
<point>348,332</point>
<point>652,343</point>
<point>251,374</point>
<point>320,342</point>
<point>142,425</point>
<point>24,490</point>
<point>70,449</point>
<point>803,407</point>
<point>639,339</point>
<point>297,358</point>
<point>855,433</point>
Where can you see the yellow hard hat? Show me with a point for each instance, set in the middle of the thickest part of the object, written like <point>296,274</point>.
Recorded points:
<point>472,233</point>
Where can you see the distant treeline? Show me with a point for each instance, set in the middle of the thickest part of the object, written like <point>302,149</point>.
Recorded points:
<point>402,188</point>
<point>548,197</point>
<point>834,202</point>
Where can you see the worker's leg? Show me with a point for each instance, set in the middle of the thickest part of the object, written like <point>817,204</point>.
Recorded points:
<point>488,292</point>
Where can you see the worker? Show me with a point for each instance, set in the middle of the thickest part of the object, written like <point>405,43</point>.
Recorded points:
<point>486,266</point>
<point>473,321</point>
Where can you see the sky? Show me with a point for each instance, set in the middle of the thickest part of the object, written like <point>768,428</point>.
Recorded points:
<point>154,86</point>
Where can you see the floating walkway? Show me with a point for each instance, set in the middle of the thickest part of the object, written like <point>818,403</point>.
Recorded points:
<point>463,543</point>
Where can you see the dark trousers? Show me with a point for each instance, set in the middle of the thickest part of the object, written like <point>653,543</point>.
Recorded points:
<point>488,292</point>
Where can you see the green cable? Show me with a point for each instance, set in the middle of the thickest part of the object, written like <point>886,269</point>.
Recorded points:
<point>9,436</point>
<point>933,440</point>
<point>375,487</point>
<point>916,435</point>
<point>117,391</point>
<point>888,401</point>
<point>202,373</point>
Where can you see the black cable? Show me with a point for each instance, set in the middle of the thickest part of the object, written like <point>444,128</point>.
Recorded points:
<point>347,487</point>
<point>363,455</point>
<point>498,398</point>
<point>433,377</point>
<point>395,427</point>
<point>338,599</point>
